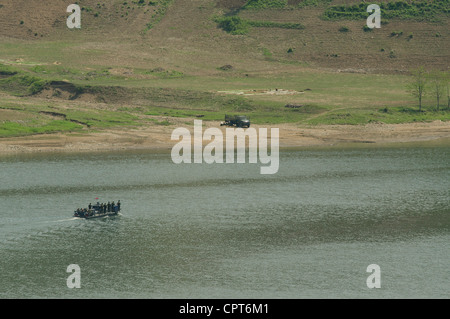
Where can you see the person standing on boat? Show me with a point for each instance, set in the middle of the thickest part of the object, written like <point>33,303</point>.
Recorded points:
<point>109,207</point>
<point>118,205</point>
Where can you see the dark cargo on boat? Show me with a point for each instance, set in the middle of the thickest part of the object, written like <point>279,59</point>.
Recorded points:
<point>98,210</point>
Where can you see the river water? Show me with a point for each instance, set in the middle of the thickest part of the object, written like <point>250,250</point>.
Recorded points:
<point>225,230</point>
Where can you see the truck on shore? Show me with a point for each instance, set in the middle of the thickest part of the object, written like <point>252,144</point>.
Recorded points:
<point>236,120</point>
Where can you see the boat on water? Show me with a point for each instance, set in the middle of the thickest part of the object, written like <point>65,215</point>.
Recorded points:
<point>98,210</point>
<point>90,215</point>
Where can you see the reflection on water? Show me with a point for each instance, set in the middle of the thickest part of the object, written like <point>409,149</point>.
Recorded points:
<point>225,231</point>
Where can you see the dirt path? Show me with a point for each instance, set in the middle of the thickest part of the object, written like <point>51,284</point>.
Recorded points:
<point>159,137</point>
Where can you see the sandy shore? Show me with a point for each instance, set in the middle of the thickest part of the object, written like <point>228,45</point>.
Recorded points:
<point>159,137</point>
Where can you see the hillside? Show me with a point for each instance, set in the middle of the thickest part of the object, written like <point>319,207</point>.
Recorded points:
<point>141,63</point>
<point>172,30</point>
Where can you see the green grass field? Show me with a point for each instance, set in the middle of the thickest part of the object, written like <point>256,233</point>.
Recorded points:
<point>322,98</point>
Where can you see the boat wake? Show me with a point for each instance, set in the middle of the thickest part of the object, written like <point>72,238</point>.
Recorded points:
<point>78,218</point>
<point>67,220</point>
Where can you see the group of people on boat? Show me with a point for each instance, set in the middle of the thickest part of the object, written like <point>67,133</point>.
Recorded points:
<point>98,209</point>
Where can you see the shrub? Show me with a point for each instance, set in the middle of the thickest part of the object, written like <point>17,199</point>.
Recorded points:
<point>264,4</point>
<point>396,33</point>
<point>269,24</point>
<point>226,67</point>
<point>233,25</point>
<point>22,84</point>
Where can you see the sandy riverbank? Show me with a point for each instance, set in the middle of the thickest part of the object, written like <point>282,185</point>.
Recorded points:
<point>158,137</point>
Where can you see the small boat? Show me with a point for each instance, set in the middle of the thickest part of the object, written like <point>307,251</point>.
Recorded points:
<point>90,215</point>
<point>97,211</point>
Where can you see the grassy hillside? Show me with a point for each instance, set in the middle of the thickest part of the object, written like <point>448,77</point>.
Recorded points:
<point>139,63</point>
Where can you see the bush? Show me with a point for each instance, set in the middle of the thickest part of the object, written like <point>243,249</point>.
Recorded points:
<point>37,86</point>
<point>269,24</point>
<point>234,25</point>
<point>226,67</point>
<point>264,4</point>
<point>396,33</point>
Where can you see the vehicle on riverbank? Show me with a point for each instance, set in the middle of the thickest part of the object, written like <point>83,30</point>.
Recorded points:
<point>236,120</point>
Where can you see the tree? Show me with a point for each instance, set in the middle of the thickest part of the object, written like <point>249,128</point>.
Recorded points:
<point>447,82</point>
<point>438,80</point>
<point>419,85</point>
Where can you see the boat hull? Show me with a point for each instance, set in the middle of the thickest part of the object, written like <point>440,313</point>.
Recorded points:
<point>98,215</point>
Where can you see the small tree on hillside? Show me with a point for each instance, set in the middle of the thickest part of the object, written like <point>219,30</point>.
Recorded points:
<point>447,80</point>
<point>438,80</point>
<point>418,86</point>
